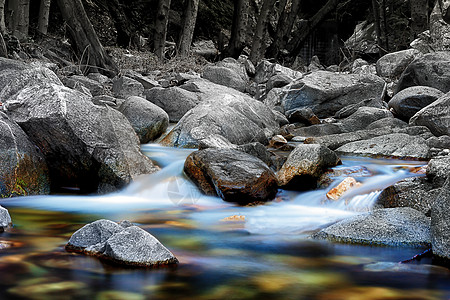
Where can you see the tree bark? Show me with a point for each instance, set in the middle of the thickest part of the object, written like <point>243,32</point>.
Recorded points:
<point>304,31</point>
<point>44,12</point>
<point>22,19</point>
<point>376,17</point>
<point>93,56</point>
<point>238,29</point>
<point>162,19</point>
<point>284,28</point>
<point>2,17</point>
<point>187,32</point>
<point>11,19</point>
<point>259,45</point>
<point>121,23</point>
<point>419,17</point>
<point>384,28</point>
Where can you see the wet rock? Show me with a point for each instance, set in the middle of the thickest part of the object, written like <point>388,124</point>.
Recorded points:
<point>176,102</point>
<point>440,224</point>
<point>431,70</point>
<point>399,145</point>
<point>393,64</point>
<point>232,175</point>
<point>257,150</point>
<point>409,101</point>
<point>413,192</point>
<point>124,87</point>
<point>94,87</point>
<point>224,76</point>
<point>345,185</point>
<point>326,93</point>
<point>5,219</point>
<point>435,116</point>
<point>302,115</point>
<point>401,226</point>
<point>238,118</point>
<point>215,141</point>
<point>351,109</point>
<point>23,170</point>
<point>85,145</point>
<point>363,117</point>
<point>277,141</point>
<point>128,245</point>
<point>304,165</point>
<point>148,120</point>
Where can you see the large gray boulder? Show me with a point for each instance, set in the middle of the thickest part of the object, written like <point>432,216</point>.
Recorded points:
<point>124,87</point>
<point>409,101</point>
<point>435,116</point>
<point>351,109</point>
<point>5,219</point>
<point>85,145</point>
<point>149,121</point>
<point>232,175</point>
<point>176,102</point>
<point>438,170</point>
<point>238,118</point>
<point>401,226</point>
<point>304,165</point>
<point>205,89</point>
<point>440,223</point>
<point>363,117</point>
<point>326,92</point>
<point>399,145</point>
<point>393,64</point>
<point>122,243</point>
<point>432,69</point>
<point>265,70</point>
<point>440,27</point>
<point>23,170</point>
<point>224,76</point>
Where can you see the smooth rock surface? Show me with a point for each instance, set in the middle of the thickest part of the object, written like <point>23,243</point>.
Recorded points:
<point>435,116</point>
<point>149,121</point>
<point>326,92</point>
<point>304,165</point>
<point>409,101</point>
<point>400,145</point>
<point>402,226</point>
<point>176,102</point>
<point>238,118</point>
<point>23,170</point>
<point>232,175</point>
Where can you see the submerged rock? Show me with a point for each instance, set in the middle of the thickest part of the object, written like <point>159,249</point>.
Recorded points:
<point>23,170</point>
<point>124,244</point>
<point>232,175</point>
<point>304,165</point>
<point>402,226</point>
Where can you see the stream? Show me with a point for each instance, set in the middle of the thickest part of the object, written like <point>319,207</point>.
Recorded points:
<point>225,251</point>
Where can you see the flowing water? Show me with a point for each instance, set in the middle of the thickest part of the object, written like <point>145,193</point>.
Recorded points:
<point>225,251</point>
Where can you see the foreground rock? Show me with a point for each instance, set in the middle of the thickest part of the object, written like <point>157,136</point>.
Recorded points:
<point>23,170</point>
<point>395,145</point>
<point>121,243</point>
<point>238,118</point>
<point>232,175</point>
<point>409,101</point>
<point>326,92</point>
<point>393,64</point>
<point>85,145</point>
<point>440,224</point>
<point>435,116</point>
<point>304,165</point>
<point>148,120</point>
<point>401,226</point>
<point>431,70</point>
<point>5,219</point>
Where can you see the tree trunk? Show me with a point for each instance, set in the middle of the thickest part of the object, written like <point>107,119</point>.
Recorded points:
<point>22,19</point>
<point>11,19</point>
<point>44,12</point>
<point>93,56</point>
<point>419,17</point>
<point>384,27</point>
<point>284,28</point>
<point>187,32</point>
<point>304,31</point>
<point>259,44</point>
<point>238,29</point>
<point>2,17</point>
<point>121,23</point>
<point>162,19</point>
<point>376,17</point>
